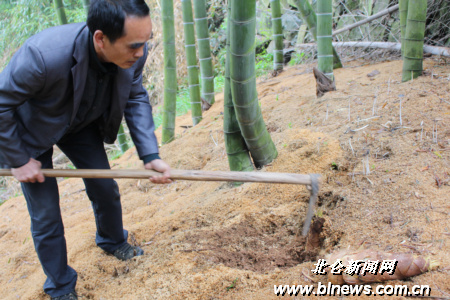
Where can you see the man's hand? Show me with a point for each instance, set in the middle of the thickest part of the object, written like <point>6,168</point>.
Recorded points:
<point>160,166</point>
<point>30,172</point>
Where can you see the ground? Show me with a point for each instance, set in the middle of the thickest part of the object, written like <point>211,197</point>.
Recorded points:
<point>382,150</point>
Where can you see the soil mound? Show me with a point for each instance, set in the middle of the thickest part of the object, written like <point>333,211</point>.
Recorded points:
<point>381,147</point>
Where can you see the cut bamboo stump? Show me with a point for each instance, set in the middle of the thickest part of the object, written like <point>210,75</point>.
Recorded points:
<point>323,83</point>
<point>311,181</point>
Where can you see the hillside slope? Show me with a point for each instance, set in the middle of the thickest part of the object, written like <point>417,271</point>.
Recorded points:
<point>214,241</point>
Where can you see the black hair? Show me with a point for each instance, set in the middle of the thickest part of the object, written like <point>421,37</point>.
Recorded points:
<point>109,15</point>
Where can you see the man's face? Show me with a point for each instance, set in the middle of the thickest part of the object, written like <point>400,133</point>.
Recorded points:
<point>126,50</point>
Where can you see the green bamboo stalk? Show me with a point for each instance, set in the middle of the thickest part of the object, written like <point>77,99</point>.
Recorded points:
<point>301,34</point>
<point>310,18</point>
<point>237,152</point>
<point>324,42</point>
<point>60,12</point>
<point>443,15</point>
<point>243,83</point>
<point>204,51</point>
<point>170,72</point>
<point>403,11</point>
<point>86,4</point>
<point>415,31</point>
<point>369,5</point>
<point>191,60</point>
<point>122,138</point>
<point>277,30</point>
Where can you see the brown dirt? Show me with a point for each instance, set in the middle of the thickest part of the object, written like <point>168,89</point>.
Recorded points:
<point>215,241</point>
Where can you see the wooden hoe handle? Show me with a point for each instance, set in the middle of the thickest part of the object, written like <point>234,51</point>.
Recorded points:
<point>287,178</point>
<point>311,181</point>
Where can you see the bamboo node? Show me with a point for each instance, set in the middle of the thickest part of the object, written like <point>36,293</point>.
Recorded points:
<point>200,19</point>
<point>243,22</point>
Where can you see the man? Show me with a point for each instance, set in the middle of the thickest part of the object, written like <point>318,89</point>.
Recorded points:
<point>71,86</point>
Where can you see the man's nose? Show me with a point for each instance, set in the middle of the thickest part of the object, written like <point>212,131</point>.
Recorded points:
<point>139,52</point>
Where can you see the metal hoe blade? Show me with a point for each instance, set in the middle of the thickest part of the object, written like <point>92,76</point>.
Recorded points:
<point>312,202</point>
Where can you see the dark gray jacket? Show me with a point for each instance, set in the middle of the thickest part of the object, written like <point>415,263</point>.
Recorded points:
<point>41,90</point>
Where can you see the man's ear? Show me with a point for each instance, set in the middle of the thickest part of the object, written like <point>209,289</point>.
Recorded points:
<point>99,38</point>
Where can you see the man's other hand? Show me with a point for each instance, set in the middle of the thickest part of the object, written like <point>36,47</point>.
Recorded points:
<point>160,166</point>
<point>30,172</point>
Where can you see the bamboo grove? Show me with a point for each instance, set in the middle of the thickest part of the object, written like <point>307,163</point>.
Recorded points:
<point>244,128</point>
<point>247,141</point>
<point>245,132</point>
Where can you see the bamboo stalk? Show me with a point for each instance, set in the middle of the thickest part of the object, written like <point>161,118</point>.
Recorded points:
<point>243,83</point>
<point>237,151</point>
<point>369,5</point>
<point>170,72</point>
<point>191,62</point>
<point>204,51</point>
<point>324,41</point>
<point>193,175</point>
<point>414,36</point>
<point>277,31</point>
<point>403,7</point>
<point>86,4</point>
<point>301,34</point>
<point>122,139</point>
<point>310,18</point>
<point>59,7</point>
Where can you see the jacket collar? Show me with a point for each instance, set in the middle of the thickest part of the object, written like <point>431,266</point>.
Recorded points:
<point>122,82</point>
<point>80,69</point>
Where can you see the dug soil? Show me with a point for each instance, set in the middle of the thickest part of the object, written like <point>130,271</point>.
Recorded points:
<point>382,150</point>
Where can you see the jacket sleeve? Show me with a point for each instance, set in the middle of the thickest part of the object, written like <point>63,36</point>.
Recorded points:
<point>20,81</point>
<point>138,114</point>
